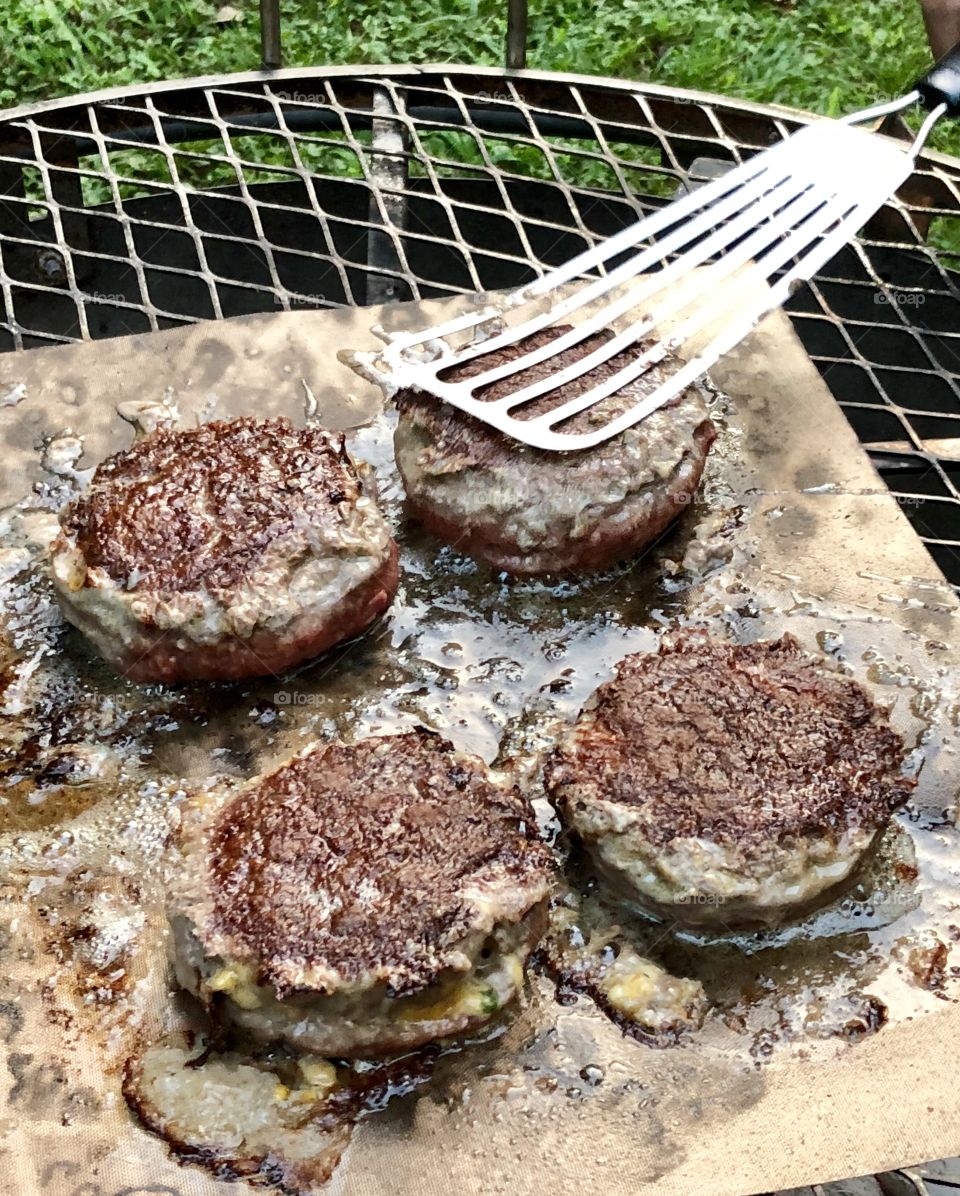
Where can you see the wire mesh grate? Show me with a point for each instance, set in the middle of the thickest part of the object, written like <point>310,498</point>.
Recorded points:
<point>155,207</point>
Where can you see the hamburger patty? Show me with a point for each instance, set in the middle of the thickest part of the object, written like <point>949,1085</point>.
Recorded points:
<point>360,899</point>
<point>728,784</point>
<point>229,550</point>
<point>529,511</point>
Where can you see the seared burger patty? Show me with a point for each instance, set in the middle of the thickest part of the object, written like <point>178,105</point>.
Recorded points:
<point>361,899</point>
<point>728,784</point>
<point>230,550</point>
<point>530,511</point>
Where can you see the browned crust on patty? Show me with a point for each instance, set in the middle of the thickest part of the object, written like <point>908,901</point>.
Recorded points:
<point>606,543</point>
<point>169,659</point>
<point>230,550</point>
<point>741,744</point>
<point>461,451</point>
<point>367,863</point>
<point>200,507</point>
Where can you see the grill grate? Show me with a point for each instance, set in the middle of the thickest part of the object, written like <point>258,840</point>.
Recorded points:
<point>148,208</point>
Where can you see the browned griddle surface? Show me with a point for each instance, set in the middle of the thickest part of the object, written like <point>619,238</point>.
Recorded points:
<point>795,1078</point>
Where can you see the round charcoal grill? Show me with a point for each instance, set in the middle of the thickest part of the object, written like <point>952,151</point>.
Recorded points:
<point>141,209</point>
<point>146,208</point>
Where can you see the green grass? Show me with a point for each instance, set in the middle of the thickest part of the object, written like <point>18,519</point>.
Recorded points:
<point>826,55</point>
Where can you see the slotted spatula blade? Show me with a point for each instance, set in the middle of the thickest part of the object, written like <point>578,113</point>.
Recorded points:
<point>670,281</point>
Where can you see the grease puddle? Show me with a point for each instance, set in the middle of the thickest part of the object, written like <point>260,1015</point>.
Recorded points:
<point>94,765</point>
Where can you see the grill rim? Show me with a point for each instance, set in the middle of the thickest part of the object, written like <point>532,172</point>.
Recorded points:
<point>539,104</point>
<point>361,71</point>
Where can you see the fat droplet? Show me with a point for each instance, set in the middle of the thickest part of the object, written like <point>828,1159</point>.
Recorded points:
<point>592,1074</point>
<point>146,415</point>
<point>16,394</point>
<point>830,642</point>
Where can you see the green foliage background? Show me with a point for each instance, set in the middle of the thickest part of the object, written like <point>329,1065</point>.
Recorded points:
<point>827,55</point>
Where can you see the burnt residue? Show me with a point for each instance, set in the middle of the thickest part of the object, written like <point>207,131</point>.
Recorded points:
<point>41,1083</point>
<point>368,1088</point>
<point>17,1064</point>
<point>91,928</point>
<point>11,1020</point>
<point>926,961</point>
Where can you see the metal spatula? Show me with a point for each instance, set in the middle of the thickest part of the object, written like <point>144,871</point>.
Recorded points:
<point>783,214</point>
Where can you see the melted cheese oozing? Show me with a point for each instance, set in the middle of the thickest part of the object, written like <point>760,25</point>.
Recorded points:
<point>319,1074</point>
<point>320,1077</point>
<point>472,997</point>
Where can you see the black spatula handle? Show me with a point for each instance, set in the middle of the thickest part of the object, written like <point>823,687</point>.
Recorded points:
<point>941,84</point>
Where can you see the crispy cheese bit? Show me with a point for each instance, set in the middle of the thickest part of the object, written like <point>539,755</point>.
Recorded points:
<point>645,993</point>
<point>280,1093</point>
<point>237,982</point>
<point>633,995</point>
<point>320,1076</point>
<point>223,981</point>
